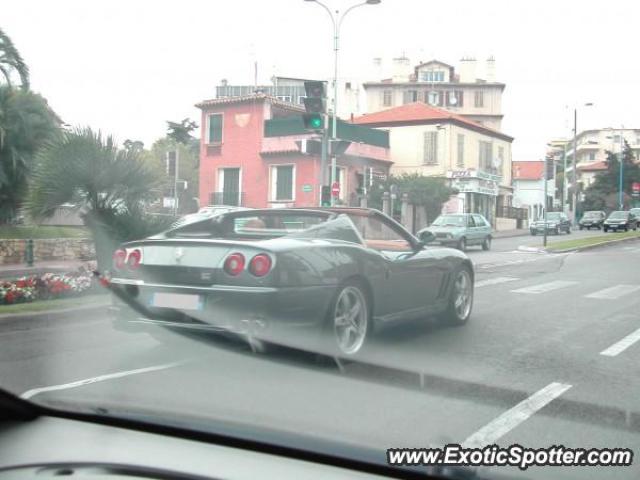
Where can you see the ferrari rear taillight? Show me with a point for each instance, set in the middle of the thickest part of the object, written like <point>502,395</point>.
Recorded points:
<point>260,265</point>
<point>135,257</point>
<point>119,259</point>
<point>234,264</point>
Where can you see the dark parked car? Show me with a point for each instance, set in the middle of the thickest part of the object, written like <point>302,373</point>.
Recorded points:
<point>592,219</point>
<point>316,279</point>
<point>621,220</point>
<point>556,222</point>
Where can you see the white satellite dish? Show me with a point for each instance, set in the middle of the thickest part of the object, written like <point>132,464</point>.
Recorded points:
<point>453,100</point>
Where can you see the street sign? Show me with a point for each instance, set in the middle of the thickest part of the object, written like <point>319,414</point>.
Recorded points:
<point>335,189</point>
<point>635,186</point>
<point>307,187</point>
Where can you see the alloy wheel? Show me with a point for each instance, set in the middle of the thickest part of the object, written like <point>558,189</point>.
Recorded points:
<point>350,320</point>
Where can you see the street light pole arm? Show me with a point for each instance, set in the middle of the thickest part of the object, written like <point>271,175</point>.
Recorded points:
<point>347,11</point>
<point>330,13</point>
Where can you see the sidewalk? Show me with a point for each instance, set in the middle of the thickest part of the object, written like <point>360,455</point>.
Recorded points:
<point>510,233</point>
<point>15,270</point>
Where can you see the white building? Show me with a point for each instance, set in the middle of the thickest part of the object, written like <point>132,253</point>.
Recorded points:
<point>439,84</point>
<point>435,142</point>
<point>528,188</point>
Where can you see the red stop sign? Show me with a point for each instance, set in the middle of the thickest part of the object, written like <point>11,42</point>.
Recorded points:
<point>335,189</point>
<point>635,186</point>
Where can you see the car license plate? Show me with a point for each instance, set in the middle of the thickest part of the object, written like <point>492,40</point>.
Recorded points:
<point>176,300</point>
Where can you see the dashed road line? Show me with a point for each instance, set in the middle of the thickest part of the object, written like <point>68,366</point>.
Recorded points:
<point>614,292</point>
<point>494,281</point>
<point>622,345</point>
<point>101,378</point>
<point>510,419</point>
<point>545,287</point>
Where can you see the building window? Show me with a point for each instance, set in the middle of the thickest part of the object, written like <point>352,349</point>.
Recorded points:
<point>215,128</point>
<point>460,150</point>
<point>284,98</point>
<point>282,183</point>
<point>455,98</point>
<point>500,159</point>
<point>430,148</point>
<point>409,96</point>
<point>433,98</point>
<point>387,98</point>
<point>485,150</point>
<point>479,99</point>
<point>301,99</point>
<point>592,156</point>
<point>432,76</point>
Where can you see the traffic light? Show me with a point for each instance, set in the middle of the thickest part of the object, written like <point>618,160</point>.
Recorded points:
<point>315,104</point>
<point>325,197</point>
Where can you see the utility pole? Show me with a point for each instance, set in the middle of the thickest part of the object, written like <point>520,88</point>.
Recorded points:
<point>620,182</point>
<point>575,167</point>
<point>546,184</point>
<point>564,177</point>
<point>175,186</point>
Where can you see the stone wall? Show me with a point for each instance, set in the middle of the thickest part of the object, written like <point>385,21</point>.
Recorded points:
<point>12,251</point>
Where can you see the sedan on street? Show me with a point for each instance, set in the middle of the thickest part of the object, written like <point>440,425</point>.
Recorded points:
<point>592,219</point>
<point>460,230</point>
<point>621,220</point>
<point>557,222</point>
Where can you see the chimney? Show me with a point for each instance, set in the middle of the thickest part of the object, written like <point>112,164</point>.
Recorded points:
<point>223,82</point>
<point>401,69</point>
<point>491,69</point>
<point>467,70</point>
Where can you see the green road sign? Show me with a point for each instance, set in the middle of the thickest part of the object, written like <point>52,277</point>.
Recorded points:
<point>307,187</point>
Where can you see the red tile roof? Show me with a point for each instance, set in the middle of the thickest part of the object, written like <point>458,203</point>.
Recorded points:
<point>593,167</point>
<point>421,113</point>
<point>528,170</point>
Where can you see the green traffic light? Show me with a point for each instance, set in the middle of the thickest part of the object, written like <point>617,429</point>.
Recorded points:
<point>316,122</point>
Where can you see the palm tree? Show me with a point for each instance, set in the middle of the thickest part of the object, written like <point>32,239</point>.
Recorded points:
<point>11,61</point>
<point>107,184</point>
<point>26,122</point>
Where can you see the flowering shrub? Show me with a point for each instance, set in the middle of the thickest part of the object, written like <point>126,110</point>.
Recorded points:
<point>47,286</point>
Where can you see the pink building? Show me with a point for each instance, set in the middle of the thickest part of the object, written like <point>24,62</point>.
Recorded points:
<point>249,155</point>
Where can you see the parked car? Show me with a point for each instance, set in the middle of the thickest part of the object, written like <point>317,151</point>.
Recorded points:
<point>460,230</point>
<point>557,222</point>
<point>636,212</point>
<point>592,219</point>
<point>311,278</point>
<point>621,220</point>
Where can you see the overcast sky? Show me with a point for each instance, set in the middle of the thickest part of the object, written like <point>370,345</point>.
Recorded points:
<point>126,67</point>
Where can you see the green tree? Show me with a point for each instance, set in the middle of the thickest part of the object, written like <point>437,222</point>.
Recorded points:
<point>26,123</point>
<point>107,184</point>
<point>602,194</point>
<point>180,132</point>
<point>429,192</point>
<point>11,61</point>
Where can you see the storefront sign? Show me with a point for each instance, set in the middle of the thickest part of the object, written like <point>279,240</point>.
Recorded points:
<point>476,185</point>
<point>472,173</point>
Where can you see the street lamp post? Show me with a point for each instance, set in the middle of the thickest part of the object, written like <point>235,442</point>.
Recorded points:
<point>575,162</point>
<point>336,20</point>
<point>620,187</point>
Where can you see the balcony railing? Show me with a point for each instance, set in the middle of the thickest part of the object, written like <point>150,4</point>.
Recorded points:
<point>513,212</point>
<point>235,199</point>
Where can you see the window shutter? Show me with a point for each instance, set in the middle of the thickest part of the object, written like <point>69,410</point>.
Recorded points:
<point>284,183</point>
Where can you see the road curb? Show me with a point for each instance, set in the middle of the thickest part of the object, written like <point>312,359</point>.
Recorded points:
<point>595,245</point>
<point>53,315</point>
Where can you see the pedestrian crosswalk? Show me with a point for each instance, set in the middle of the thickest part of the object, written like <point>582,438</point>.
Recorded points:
<point>611,292</point>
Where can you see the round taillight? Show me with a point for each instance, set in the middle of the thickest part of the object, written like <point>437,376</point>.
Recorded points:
<point>234,264</point>
<point>119,258</point>
<point>134,259</point>
<point>260,265</point>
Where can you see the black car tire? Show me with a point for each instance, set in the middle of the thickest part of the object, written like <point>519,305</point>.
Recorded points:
<point>626,228</point>
<point>557,231</point>
<point>581,227</point>
<point>533,233</point>
<point>462,244</point>
<point>486,245</point>
<point>568,230</point>
<point>453,316</point>
<point>356,289</point>
<point>606,229</point>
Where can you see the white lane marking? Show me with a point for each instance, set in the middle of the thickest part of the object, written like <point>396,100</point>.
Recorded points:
<point>622,345</point>
<point>614,292</point>
<point>494,281</point>
<point>545,287</point>
<point>515,416</point>
<point>101,378</point>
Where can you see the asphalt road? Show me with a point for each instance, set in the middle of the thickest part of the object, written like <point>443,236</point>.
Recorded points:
<point>549,357</point>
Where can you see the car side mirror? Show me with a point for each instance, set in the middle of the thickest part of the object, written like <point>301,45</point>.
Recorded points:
<point>427,237</point>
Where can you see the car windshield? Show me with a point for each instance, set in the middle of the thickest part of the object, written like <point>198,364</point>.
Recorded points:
<point>450,221</point>
<point>320,238</point>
